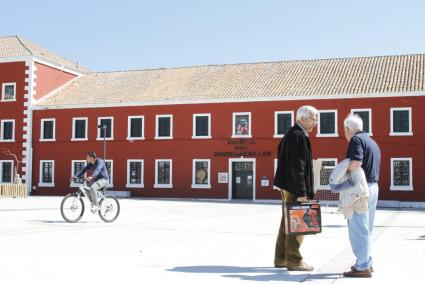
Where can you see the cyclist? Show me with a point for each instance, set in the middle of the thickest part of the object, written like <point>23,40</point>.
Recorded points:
<point>98,179</point>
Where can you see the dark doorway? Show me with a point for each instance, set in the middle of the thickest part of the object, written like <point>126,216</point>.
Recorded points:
<point>242,180</point>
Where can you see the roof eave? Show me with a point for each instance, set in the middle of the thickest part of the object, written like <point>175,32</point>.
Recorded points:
<point>231,100</point>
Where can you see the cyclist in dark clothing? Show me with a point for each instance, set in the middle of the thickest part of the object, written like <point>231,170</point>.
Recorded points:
<point>99,177</point>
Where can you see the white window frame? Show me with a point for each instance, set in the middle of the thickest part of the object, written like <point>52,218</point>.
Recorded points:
<point>2,129</point>
<point>336,123</point>
<point>276,113</point>
<point>194,126</point>
<point>402,187</point>
<point>40,183</point>
<point>157,126</point>
<point>320,186</point>
<point>73,184</point>
<point>142,176</point>
<point>274,173</point>
<point>3,91</point>
<point>170,185</point>
<point>1,171</point>
<point>99,130</point>
<point>74,119</point>
<point>111,176</point>
<point>392,133</point>
<point>129,137</point>
<point>370,133</point>
<point>234,125</point>
<point>42,129</point>
<point>194,185</point>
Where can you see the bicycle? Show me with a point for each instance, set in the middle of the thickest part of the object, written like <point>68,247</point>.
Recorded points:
<point>72,205</point>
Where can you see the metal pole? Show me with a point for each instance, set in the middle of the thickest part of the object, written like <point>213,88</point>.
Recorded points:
<point>104,142</point>
<point>103,127</point>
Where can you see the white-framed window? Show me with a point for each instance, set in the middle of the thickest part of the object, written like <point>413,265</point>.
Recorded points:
<point>8,92</point>
<point>47,173</point>
<point>110,167</point>
<point>201,126</point>
<point>136,127</point>
<point>79,129</point>
<point>366,116</point>
<point>201,173</point>
<point>135,170</point>
<point>163,173</point>
<point>327,123</point>
<point>401,121</point>
<point>48,129</point>
<point>328,165</point>
<point>283,120</point>
<point>7,129</point>
<point>76,167</point>
<point>6,171</point>
<point>274,173</point>
<point>164,126</point>
<point>105,128</point>
<point>401,174</point>
<point>241,125</point>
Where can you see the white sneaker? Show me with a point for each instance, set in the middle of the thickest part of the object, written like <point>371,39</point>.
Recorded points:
<point>94,208</point>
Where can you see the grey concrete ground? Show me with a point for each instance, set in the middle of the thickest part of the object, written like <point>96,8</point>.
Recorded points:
<point>168,241</point>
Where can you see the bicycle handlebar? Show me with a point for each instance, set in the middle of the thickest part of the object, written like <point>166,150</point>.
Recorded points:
<point>77,179</point>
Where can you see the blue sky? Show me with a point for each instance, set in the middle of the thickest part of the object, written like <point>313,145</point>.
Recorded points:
<point>125,35</point>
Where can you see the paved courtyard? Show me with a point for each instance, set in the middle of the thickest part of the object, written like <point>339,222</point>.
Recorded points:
<point>185,241</point>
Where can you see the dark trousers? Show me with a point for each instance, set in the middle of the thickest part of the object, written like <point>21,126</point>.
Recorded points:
<point>287,251</point>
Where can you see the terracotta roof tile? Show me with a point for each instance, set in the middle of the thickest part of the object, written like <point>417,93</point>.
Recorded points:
<point>365,75</point>
<point>15,46</point>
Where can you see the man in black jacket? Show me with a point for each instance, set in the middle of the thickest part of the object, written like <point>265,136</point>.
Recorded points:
<point>294,177</point>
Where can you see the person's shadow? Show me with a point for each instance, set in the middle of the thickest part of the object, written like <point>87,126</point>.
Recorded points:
<point>255,273</point>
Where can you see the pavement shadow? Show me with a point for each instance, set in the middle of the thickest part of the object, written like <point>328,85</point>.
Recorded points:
<point>334,226</point>
<point>53,221</point>
<point>255,273</point>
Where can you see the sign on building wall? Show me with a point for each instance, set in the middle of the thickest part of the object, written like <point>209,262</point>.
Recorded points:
<point>222,178</point>
<point>264,182</point>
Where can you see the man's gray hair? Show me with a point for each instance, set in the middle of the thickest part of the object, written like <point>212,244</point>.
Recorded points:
<point>353,122</point>
<point>306,112</point>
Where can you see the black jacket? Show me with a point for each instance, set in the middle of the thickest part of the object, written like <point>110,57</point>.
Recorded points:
<point>294,171</point>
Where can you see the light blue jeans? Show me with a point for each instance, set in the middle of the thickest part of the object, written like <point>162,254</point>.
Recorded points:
<point>360,228</point>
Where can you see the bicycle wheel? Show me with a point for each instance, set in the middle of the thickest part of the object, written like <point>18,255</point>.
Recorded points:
<point>72,208</point>
<point>109,209</point>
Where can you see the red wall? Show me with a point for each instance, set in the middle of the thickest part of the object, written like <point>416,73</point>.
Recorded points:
<point>49,79</point>
<point>182,149</point>
<point>13,72</point>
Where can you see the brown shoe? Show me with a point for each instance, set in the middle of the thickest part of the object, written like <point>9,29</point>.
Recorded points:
<point>371,268</point>
<point>357,273</point>
<point>302,267</point>
<point>280,264</point>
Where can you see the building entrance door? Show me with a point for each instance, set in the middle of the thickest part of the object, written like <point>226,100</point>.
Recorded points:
<point>242,180</point>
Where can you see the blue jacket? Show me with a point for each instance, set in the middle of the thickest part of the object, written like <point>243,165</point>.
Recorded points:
<point>98,168</point>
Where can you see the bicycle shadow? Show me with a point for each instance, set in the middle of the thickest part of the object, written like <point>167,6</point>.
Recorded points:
<point>55,222</point>
<point>260,274</point>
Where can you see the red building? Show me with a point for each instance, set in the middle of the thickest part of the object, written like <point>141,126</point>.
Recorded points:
<point>207,131</point>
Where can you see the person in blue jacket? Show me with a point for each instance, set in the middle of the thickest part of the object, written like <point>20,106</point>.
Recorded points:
<point>99,177</point>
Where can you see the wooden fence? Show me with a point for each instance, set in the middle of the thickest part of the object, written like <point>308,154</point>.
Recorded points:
<point>13,190</point>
